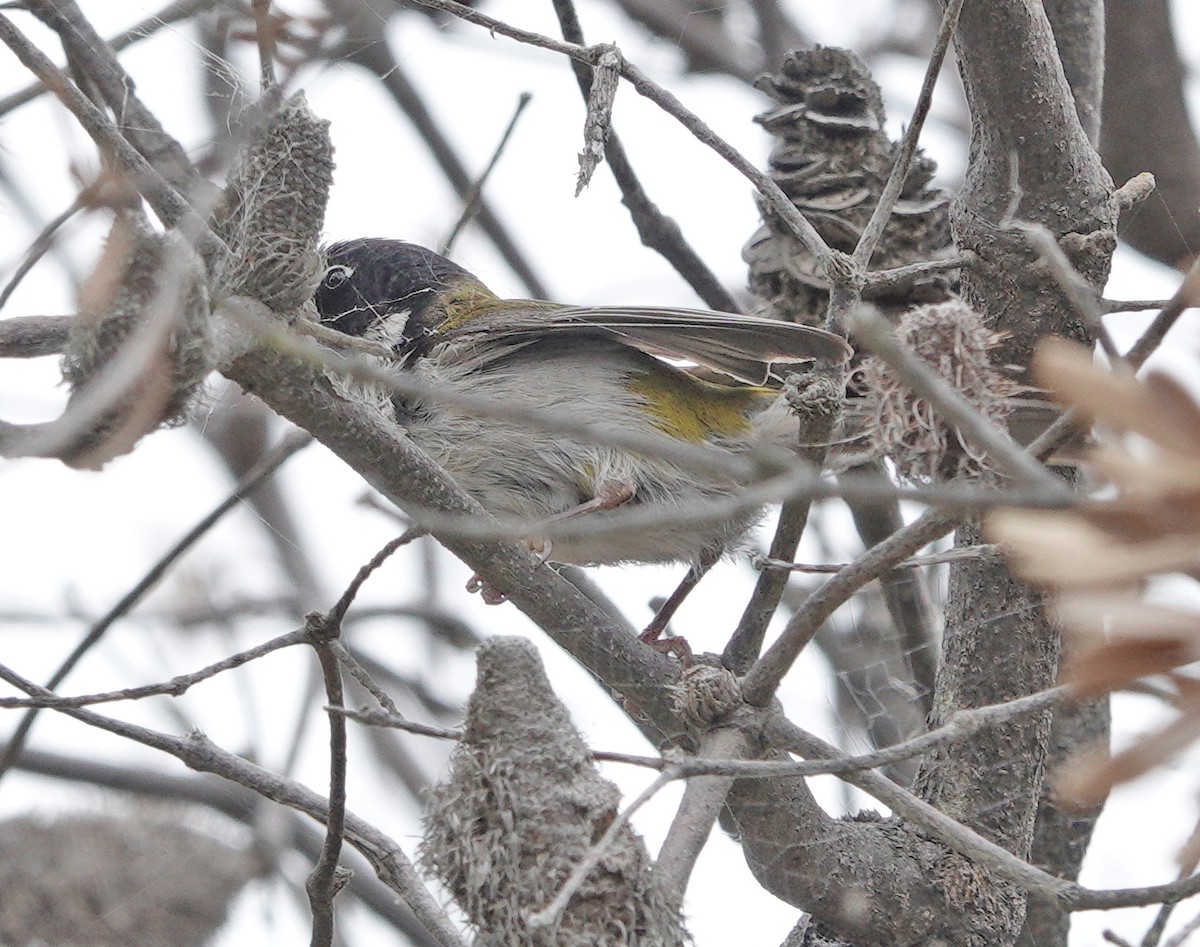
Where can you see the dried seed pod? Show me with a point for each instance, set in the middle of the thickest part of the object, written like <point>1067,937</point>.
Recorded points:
<point>104,880</point>
<point>902,426</point>
<point>832,158</point>
<point>141,345</point>
<point>522,805</point>
<point>273,209</point>
<point>706,695</point>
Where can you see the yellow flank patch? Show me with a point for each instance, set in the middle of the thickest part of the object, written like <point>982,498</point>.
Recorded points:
<point>691,409</point>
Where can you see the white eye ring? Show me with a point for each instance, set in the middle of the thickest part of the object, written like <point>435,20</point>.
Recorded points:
<point>336,275</point>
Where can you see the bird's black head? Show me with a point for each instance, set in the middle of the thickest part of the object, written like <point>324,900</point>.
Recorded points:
<point>386,289</point>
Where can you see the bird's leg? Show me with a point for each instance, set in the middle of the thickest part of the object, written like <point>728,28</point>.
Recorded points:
<point>608,496</point>
<point>675,644</point>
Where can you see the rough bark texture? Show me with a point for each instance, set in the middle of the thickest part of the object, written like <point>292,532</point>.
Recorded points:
<point>1030,158</point>
<point>1060,838</point>
<point>1079,35</point>
<point>874,881</point>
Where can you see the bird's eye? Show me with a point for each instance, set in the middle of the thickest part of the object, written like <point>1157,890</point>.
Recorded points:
<point>336,275</point>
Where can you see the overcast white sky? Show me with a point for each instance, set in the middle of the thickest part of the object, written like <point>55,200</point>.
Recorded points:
<point>85,537</point>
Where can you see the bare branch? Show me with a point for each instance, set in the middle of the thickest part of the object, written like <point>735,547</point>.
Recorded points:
<point>175,687</point>
<point>263,469</point>
<point>655,229</point>
<point>676,109</point>
<point>327,878</point>
<point>197,752</point>
<point>764,677</point>
<point>473,197</point>
<point>697,813</point>
<point>33,336</point>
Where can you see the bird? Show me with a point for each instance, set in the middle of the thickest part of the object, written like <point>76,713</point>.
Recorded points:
<point>610,368</point>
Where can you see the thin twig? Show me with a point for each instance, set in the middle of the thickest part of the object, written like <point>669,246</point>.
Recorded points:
<point>257,474</point>
<point>1154,933</point>
<point>368,47</point>
<point>656,229</point>
<point>1069,895</point>
<point>359,673</point>
<point>1129,305</point>
<point>94,62</point>
<point>962,724</point>
<point>237,802</point>
<point>1184,298</point>
<point>706,41</point>
<point>471,199</point>
<point>764,677</point>
<point>651,90</point>
<point>878,282</point>
<point>395,721</point>
<point>785,735</point>
<point>338,612</point>
<point>873,231</point>
<point>702,802</point>
<point>171,13</point>
<point>1181,935</point>
<point>175,687</point>
<point>328,878</point>
<point>171,207</point>
<point>816,429</point>
<point>197,752</point>
<point>40,246</point>
<point>958,554</point>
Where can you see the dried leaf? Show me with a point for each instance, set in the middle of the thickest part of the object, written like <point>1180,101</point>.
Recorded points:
<point>1178,411</point>
<point>1159,477</point>
<point>1118,639</point>
<point>1110,397</point>
<point>1087,779</point>
<point>1063,550</point>
<point>1189,855</point>
<point>606,78</point>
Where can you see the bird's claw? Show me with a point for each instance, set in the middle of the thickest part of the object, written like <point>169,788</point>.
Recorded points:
<point>541,548</point>
<point>489,593</point>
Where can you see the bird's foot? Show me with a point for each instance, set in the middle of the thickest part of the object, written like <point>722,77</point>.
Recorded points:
<point>673,644</point>
<point>540,546</point>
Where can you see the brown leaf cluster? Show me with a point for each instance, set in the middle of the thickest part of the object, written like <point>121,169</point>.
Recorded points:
<point>1098,557</point>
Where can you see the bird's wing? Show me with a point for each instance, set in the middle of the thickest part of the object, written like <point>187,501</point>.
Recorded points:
<point>744,347</point>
